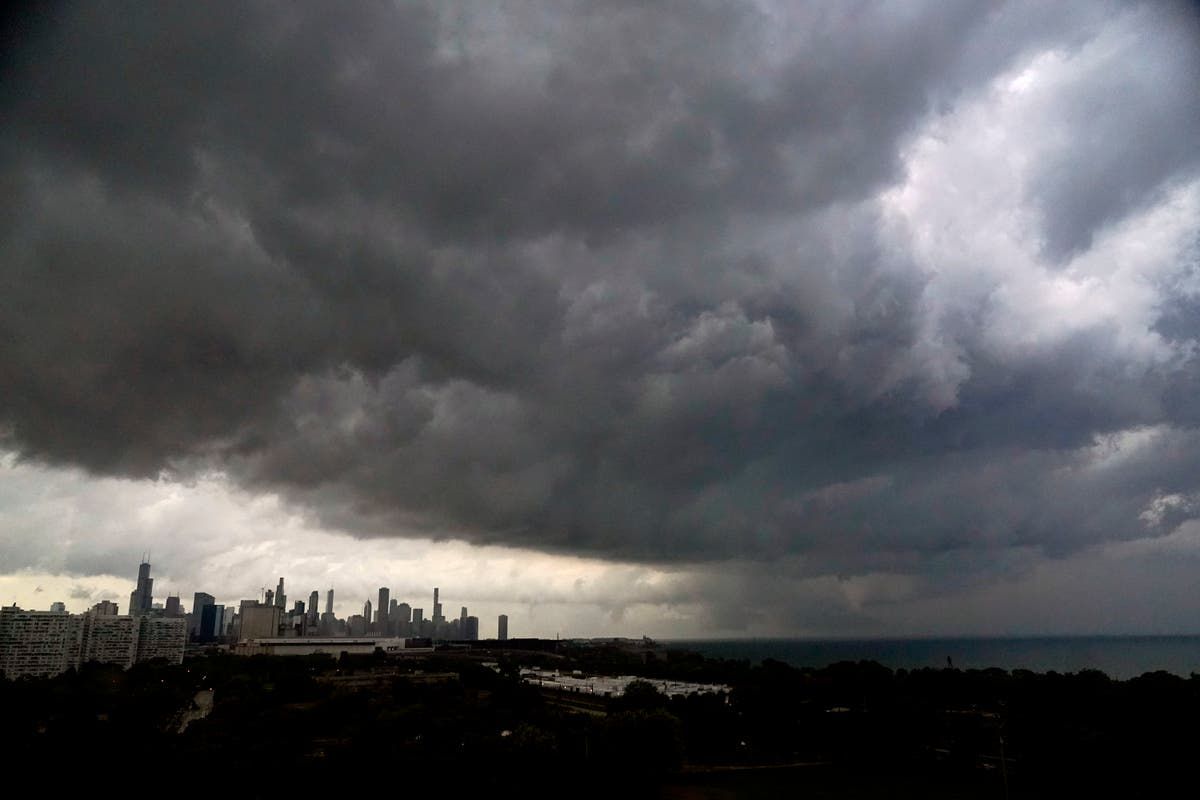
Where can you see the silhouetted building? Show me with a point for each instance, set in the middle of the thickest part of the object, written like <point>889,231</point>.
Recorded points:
<point>280,597</point>
<point>172,607</point>
<point>199,601</point>
<point>141,599</point>
<point>258,620</point>
<point>211,622</point>
<point>470,629</point>
<point>502,628</point>
<point>106,608</point>
<point>384,592</point>
<point>329,602</point>
<point>58,607</point>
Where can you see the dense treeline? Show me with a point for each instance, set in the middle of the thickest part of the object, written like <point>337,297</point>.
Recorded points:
<point>850,729</point>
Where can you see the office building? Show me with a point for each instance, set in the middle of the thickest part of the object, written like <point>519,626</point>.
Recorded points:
<point>199,601</point>
<point>212,620</point>
<point>141,599</point>
<point>106,608</point>
<point>469,629</point>
<point>58,607</point>
<point>280,597</point>
<point>383,609</point>
<point>329,602</point>
<point>172,608</point>
<point>258,620</point>
<point>502,628</point>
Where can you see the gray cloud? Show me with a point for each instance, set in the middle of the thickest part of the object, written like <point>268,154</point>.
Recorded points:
<point>665,284</point>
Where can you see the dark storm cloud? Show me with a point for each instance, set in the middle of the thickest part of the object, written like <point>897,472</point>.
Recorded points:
<point>589,278</point>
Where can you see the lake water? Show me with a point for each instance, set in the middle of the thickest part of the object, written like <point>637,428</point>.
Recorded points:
<point>1118,656</point>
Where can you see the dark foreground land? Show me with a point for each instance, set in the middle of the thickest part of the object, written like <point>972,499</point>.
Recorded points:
<point>446,723</point>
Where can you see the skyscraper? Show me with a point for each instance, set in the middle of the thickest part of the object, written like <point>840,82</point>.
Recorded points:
<point>329,602</point>
<point>367,612</point>
<point>199,601</point>
<point>141,599</point>
<point>280,597</point>
<point>172,609</point>
<point>313,606</point>
<point>502,628</point>
<point>383,609</point>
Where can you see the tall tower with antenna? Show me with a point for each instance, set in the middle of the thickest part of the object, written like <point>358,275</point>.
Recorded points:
<point>141,599</point>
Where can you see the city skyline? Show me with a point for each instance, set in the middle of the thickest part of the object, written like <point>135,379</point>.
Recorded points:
<point>755,318</point>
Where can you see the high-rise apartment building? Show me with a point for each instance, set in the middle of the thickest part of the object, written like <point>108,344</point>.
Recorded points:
<point>161,637</point>
<point>109,639</point>
<point>37,643</point>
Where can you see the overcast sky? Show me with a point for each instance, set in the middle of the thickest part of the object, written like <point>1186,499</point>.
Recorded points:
<point>679,319</point>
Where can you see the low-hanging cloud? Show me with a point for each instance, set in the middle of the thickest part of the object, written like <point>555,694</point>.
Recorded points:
<point>876,290</point>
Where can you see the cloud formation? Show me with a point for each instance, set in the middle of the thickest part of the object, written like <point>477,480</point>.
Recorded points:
<point>853,289</point>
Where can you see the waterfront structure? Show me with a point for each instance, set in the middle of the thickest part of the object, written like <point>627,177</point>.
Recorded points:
<point>502,628</point>
<point>311,645</point>
<point>141,599</point>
